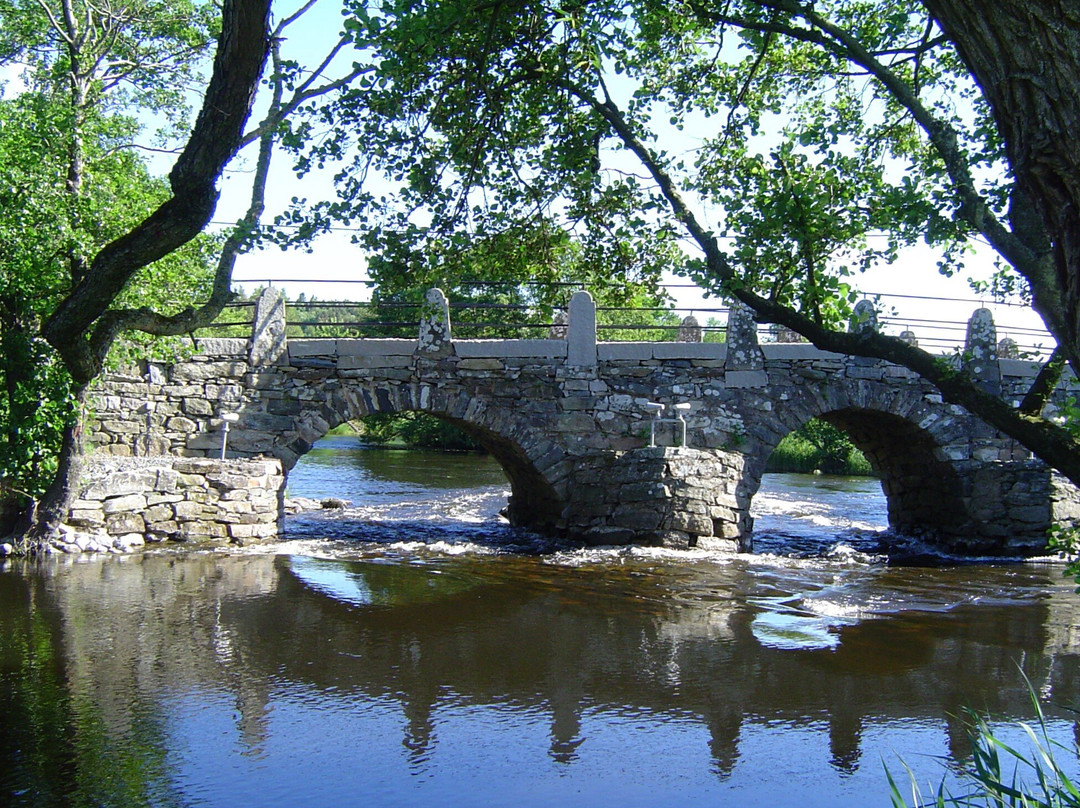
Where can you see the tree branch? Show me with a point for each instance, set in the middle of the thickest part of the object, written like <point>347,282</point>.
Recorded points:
<point>238,64</point>
<point>1053,444</point>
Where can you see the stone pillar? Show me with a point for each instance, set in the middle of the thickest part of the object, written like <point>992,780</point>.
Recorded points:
<point>863,318</point>
<point>1008,349</point>
<point>786,335</point>
<point>909,337</point>
<point>676,497</point>
<point>689,329</point>
<point>980,352</point>
<point>435,324</point>
<point>581,331</point>
<point>743,351</point>
<point>744,365</point>
<point>268,342</point>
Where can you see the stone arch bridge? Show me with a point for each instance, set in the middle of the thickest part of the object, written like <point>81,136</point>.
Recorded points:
<point>568,419</point>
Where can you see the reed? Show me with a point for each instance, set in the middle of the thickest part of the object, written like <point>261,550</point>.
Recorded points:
<point>1000,775</point>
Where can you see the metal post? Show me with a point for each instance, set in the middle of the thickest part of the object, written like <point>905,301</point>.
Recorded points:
<point>679,410</point>
<point>226,419</point>
<point>656,408</point>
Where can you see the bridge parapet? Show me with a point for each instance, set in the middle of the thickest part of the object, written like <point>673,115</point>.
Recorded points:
<point>568,420</point>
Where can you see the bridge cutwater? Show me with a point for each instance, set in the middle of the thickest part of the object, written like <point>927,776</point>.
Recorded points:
<point>570,420</point>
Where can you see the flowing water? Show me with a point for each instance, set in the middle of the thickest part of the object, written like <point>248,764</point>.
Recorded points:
<point>413,650</point>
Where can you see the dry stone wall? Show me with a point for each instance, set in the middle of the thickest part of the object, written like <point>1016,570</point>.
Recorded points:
<point>124,504</point>
<point>570,419</point>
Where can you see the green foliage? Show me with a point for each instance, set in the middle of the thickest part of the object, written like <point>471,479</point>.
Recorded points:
<point>508,134</point>
<point>1064,540</point>
<point>70,182</point>
<point>416,429</point>
<point>818,446</point>
<point>511,283</point>
<point>1001,776</point>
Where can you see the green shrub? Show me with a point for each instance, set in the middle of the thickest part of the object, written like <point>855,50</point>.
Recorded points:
<point>416,429</point>
<point>1000,776</point>
<point>818,446</point>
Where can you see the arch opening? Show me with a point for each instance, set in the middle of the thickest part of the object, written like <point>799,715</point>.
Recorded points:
<point>533,503</point>
<point>924,493</point>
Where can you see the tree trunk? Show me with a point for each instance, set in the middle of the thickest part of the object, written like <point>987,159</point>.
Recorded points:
<point>1025,54</point>
<point>39,525</point>
<point>73,329</point>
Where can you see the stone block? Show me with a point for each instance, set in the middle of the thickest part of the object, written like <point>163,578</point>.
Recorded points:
<point>376,347</point>
<point>129,502</point>
<point>480,364</point>
<point>196,465</point>
<point>374,362</point>
<point>797,351</point>
<point>738,379</point>
<point>673,539</point>
<point>121,484</point>
<point>122,523</point>
<point>182,425</point>
<point>161,512</point>
<point>86,517</point>
<point>643,491</point>
<point>188,511</point>
<point>181,391</point>
<point>507,348</point>
<point>166,529</point>
<point>216,347</point>
<point>312,347</point>
<point>872,373</point>
<point>259,531</point>
<point>198,407</point>
<point>187,372</point>
<point>624,351</point>
<point>898,372</point>
<point>689,350</point>
<point>1032,514</point>
<point>116,427</point>
<point>639,516</point>
<point>693,523</point>
<point>717,544</point>
<point>129,542</point>
<point>201,531</point>
<point>608,535</point>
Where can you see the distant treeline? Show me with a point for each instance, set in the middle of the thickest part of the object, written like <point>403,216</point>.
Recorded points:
<point>815,447</point>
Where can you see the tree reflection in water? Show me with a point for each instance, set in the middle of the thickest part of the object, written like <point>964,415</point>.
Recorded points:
<point>143,681</point>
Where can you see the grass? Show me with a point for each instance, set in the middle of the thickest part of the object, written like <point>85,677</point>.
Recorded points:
<point>1001,776</point>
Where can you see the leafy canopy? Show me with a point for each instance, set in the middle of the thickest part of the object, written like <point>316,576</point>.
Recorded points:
<point>494,117</point>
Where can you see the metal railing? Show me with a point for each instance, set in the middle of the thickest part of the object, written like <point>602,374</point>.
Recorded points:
<point>478,320</point>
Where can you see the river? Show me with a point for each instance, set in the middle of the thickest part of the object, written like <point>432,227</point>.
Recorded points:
<point>413,650</point>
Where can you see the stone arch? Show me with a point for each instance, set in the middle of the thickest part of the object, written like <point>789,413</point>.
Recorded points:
<point>923,491</point>
<point>536,501</point>
<point>908,439</point>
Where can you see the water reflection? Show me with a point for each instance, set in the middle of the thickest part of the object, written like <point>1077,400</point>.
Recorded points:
<point>638,679</point>
<point>423,652</point>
